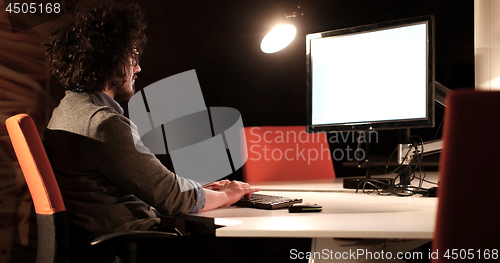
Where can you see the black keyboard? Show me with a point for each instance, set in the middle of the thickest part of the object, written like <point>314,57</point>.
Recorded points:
<point>267,201</point>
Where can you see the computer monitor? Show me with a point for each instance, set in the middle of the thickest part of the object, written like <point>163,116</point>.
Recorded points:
<point>371,77</point>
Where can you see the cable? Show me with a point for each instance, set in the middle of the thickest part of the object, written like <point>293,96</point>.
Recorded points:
<point>390,157</point>
<point>415,170</point>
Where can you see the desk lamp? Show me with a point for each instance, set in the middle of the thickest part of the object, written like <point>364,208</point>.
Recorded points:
<point>284,33</point>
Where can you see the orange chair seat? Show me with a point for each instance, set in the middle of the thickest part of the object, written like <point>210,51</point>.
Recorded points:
<point>279,153</point>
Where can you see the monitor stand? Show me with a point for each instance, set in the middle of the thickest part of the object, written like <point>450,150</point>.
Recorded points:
<point>404,186</point>
<point>367,182</point>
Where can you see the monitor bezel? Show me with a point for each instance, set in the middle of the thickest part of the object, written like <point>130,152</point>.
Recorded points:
<point>386,124</point>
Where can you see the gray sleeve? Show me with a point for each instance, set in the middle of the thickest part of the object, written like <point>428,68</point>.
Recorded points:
<point>140,172</point>
<point>201,198</point>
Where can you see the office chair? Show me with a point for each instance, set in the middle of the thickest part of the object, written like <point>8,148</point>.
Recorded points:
<point>467,217</point>
<point>51,216</point>
<point>279,153</point>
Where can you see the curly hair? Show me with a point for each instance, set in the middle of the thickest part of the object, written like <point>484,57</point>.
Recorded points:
<point>92,48</point>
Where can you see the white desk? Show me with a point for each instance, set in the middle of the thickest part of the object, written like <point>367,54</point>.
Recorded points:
<point>346,215</point>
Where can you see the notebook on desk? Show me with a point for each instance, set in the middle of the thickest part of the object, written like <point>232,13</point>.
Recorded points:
<point>268,202</point>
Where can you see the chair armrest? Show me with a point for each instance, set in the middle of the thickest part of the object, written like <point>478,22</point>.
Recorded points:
<point>132,235</point>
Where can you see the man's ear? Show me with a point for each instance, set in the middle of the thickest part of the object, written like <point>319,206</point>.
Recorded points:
<point>114,83</point>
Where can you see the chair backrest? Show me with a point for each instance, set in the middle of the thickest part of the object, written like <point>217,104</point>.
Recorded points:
<point>467,209</point>
<point>52,224</point>
<point>286,153</point>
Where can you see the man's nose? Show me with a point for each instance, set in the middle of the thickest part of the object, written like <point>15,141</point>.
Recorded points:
<point>137,69</point>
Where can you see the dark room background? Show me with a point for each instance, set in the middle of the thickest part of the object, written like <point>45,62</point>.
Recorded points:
<point>221,41</point>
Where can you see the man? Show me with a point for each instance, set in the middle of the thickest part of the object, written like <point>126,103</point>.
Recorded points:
<point>108,185</point>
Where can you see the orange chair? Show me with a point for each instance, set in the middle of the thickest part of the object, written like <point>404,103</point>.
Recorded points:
<point>51,215</point>
<point>279,153</point>
<point>467,218</point>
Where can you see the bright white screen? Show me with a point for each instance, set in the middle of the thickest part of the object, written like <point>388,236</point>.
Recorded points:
<point>369,77</point>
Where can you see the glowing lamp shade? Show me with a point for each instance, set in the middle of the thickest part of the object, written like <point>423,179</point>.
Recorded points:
<point>278,38</point>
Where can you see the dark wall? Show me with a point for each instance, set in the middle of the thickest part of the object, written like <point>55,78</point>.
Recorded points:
<point>221,40</point>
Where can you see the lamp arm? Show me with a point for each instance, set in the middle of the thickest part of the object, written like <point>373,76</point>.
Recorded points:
<point>440,92</point>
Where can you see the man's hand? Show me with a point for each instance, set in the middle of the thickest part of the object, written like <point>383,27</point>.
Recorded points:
<point>216,185</point>
<point>234,190</point>
<point>227,193</point>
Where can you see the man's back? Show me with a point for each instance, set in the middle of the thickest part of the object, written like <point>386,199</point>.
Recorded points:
<point>93,154</point>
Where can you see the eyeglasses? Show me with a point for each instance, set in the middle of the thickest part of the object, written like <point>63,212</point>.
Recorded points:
<point>136,56</point>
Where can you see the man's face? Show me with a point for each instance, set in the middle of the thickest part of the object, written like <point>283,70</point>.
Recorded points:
<point>127,90</point>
